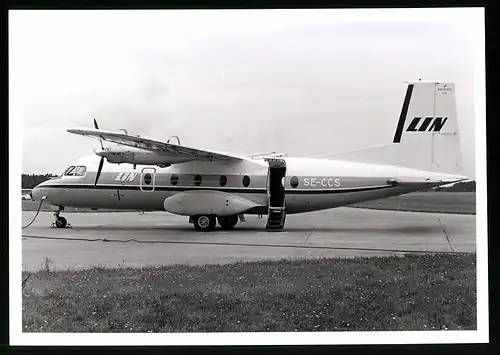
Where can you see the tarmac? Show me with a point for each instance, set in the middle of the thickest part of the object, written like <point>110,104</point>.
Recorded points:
<point>131,239</point>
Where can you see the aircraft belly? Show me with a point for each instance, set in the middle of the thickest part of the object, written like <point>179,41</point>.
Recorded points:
<point>109,198</point>
<point>143,200</point>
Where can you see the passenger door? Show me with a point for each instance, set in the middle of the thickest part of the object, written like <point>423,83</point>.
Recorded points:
<point>148,179</point>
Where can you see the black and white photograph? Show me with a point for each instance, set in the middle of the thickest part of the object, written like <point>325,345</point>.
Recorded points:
<point>247,176</point>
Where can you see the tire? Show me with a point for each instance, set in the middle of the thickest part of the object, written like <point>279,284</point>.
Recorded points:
<point>204,223</point>
<point>61,222</point>
<point>228,222</point>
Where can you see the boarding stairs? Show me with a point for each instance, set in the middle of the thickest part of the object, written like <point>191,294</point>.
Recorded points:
<point>276,194</point>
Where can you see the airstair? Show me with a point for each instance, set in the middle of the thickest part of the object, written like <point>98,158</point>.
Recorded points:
<point>276,194</point>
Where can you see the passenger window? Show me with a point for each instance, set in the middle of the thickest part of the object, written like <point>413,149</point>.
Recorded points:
<point>223,180</point>
<point>69,171</point>
<point>80,171</point>
<point>246,180</point>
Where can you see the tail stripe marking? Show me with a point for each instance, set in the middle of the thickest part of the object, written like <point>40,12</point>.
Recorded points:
<point>402,117</point>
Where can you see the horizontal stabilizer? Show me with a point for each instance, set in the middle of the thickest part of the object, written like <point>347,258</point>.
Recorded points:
<point>432,179</point>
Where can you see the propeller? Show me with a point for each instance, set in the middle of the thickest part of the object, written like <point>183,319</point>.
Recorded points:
<point>101,162</point>
<point>97,127</point>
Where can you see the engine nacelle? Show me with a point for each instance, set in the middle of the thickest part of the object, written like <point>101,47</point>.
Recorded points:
<point>190,203</point>
<point>119,155</point>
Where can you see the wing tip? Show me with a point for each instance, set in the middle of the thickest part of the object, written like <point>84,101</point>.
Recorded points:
<point>84,131</point>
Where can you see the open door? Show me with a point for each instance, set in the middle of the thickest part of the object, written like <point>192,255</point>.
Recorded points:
<point>276,194</point>
<point>148,179</point>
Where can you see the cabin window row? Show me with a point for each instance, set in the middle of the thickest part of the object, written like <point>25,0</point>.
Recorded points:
<point>174,180</point>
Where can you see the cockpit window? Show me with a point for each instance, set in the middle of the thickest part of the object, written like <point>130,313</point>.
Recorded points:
<point>80,171</point>
<point>69,171</point>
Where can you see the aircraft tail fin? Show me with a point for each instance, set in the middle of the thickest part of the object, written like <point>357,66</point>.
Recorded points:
<point>427,136</point>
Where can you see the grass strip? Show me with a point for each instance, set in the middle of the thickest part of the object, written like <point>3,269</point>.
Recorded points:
<point>413,292</point>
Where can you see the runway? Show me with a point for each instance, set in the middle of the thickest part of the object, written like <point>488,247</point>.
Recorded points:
<point>131,239</point>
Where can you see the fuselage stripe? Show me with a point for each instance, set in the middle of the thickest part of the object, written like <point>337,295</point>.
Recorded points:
<point>229,190</point>
<point>402,116</point>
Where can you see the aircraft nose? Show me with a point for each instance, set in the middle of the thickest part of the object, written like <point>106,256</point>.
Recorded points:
<point>38,192</point>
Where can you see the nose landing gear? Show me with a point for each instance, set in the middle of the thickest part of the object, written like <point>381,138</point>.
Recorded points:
<point>60,222</point>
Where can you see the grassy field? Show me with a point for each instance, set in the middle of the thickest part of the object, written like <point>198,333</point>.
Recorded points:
<point>443,202</point>
<point>439,202</point>
<point>414,292</point>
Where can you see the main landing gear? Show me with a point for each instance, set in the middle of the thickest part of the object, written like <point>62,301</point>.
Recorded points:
<point>60,222</point>
<point>227,222</point>
<point>207,223</point>
<point>204,223</point>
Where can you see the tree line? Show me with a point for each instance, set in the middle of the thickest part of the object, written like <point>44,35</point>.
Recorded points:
<point>30,181</point>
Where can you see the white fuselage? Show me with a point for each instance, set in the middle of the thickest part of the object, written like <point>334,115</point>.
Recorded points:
<point>310,184</point>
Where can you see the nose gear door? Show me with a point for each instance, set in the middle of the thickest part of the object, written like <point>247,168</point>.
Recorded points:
<point>148,179</point>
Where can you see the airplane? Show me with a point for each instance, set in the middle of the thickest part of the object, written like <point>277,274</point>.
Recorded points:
<point>26,194</point>
<point>211,186</point>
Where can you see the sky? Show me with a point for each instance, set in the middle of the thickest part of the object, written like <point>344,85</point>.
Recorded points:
<point>304,82</point>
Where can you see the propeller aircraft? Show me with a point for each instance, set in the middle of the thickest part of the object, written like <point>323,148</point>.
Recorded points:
<point>213,187</point>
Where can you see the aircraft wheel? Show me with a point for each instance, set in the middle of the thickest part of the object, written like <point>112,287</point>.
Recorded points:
<point>227,222</point>
<point>61,222</point>
<point>204,223</point>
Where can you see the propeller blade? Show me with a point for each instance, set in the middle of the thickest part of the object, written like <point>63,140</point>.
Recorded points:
<point>99,171</point>
<point>97,127</point>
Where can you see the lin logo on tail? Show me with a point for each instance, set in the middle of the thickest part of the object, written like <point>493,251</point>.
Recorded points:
<point>429,124</point>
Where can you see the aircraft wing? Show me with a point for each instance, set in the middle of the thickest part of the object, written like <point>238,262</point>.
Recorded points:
<point>163,148</point>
